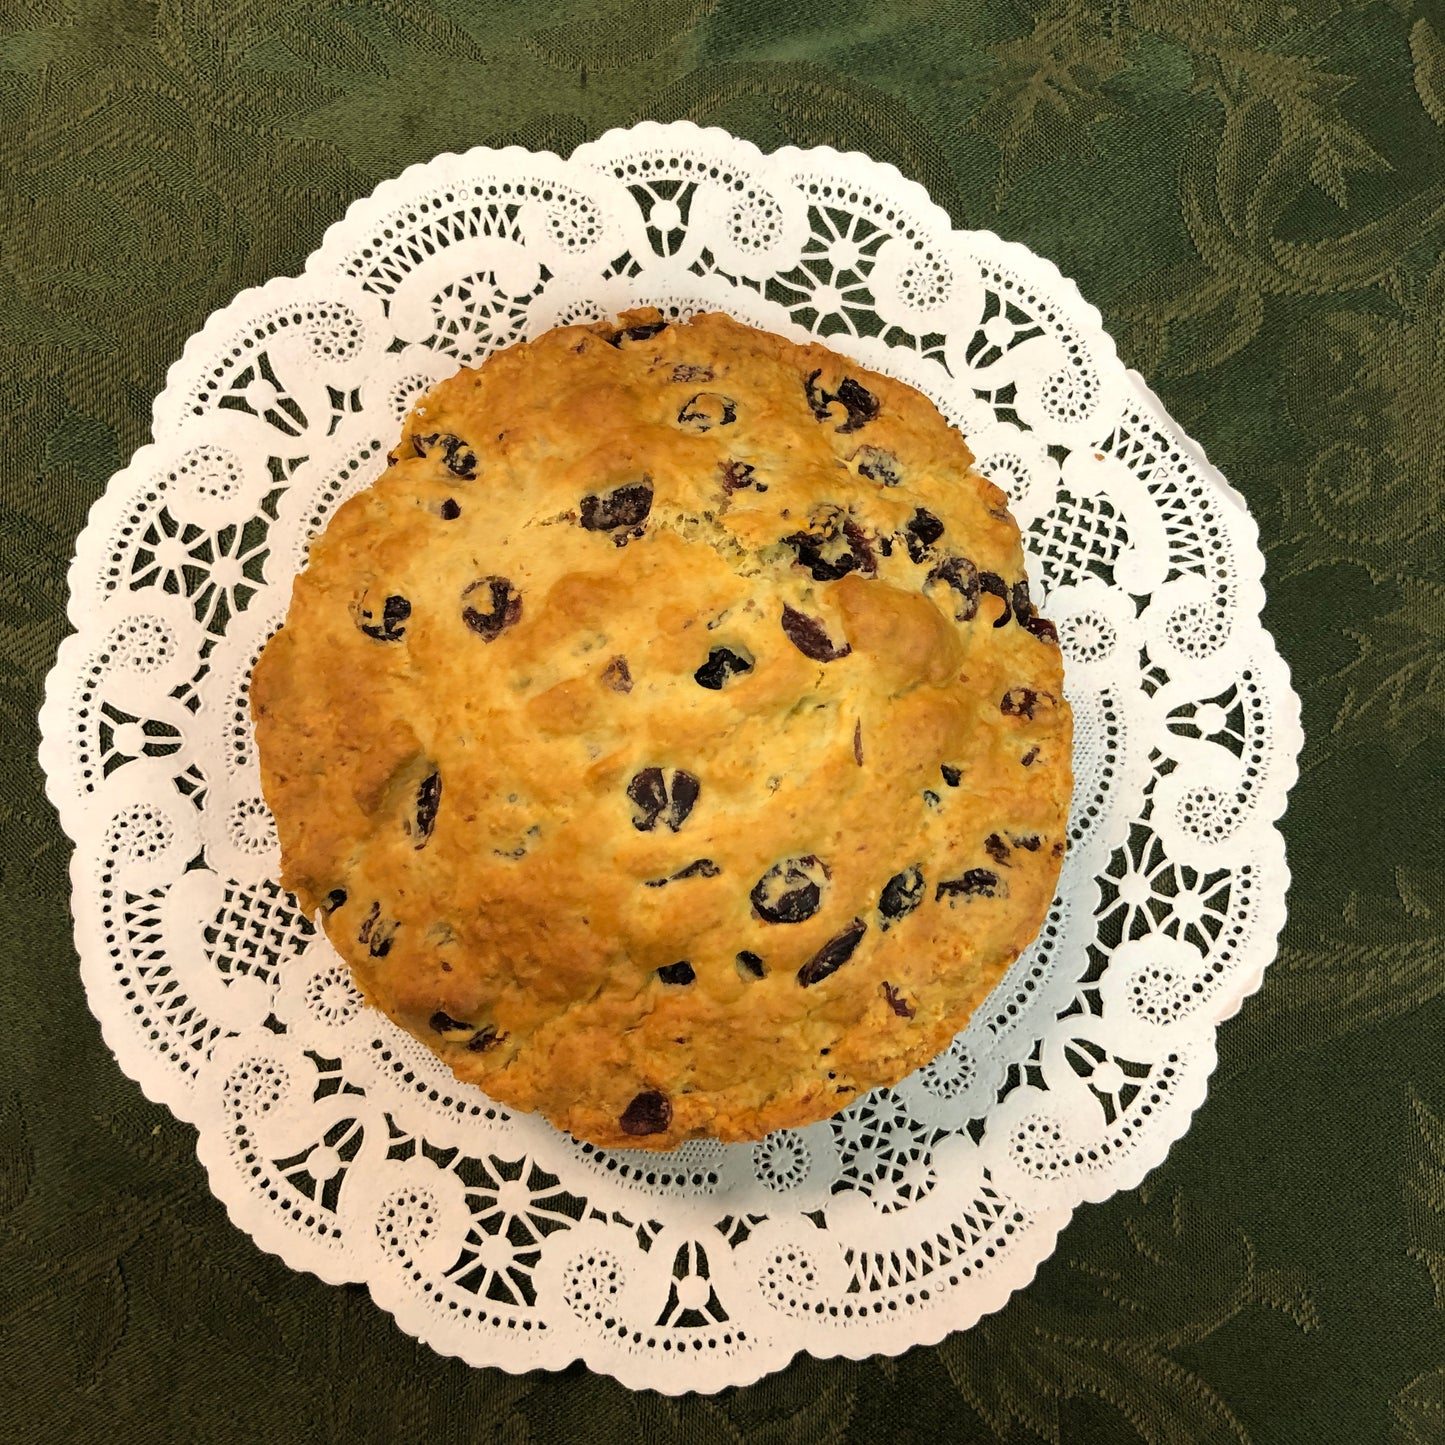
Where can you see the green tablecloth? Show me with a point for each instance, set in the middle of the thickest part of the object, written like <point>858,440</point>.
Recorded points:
<point>1253,193</point>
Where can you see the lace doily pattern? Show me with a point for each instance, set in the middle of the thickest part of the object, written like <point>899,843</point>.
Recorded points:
<point>341,1144</point>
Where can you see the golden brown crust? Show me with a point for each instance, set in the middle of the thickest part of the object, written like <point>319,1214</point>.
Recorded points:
<point>580,539</point>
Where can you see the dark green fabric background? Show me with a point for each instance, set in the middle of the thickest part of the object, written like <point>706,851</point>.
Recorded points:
<point>1253,193</point>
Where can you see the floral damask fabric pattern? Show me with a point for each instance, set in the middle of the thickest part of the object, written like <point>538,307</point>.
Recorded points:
<point>1253,195</point>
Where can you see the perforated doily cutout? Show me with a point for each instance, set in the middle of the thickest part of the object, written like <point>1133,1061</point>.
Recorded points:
<point>343,1145</point>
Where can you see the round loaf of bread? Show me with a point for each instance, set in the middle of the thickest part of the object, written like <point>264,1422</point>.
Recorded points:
<point>667,738</point>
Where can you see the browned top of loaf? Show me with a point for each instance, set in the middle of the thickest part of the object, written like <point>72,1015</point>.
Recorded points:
<point>667,735</point>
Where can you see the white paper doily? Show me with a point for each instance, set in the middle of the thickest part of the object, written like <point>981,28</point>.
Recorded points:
<point>342,1145</point>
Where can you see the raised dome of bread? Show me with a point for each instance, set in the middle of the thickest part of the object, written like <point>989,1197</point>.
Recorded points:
<point>667,737</point>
